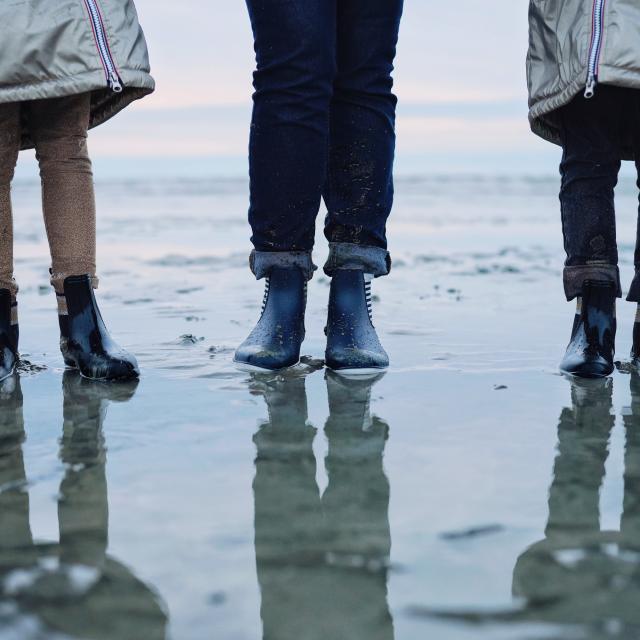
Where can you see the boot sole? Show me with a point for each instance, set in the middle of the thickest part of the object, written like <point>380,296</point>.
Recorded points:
<point>252,368</point>
<point>587,375</point>
<point>371,372</point>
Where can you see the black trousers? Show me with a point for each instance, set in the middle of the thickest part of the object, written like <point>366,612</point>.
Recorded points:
<point>596,134</point>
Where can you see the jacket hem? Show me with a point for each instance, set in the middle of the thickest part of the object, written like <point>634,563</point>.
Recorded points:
<point>104,102</point>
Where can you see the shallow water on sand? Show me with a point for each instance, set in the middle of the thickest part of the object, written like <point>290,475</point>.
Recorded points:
<point>471,492</point>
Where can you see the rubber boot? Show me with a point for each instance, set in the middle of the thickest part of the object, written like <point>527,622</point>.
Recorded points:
<point>592,346</point>
<point>353,347</point>
<point>8,337</point>
<point>275,341</point>
<point>635,348</point>
<point>84,340</point>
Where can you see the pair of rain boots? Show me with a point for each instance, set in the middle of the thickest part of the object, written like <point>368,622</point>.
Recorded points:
<point>84,340</point>
<point>353,347</point>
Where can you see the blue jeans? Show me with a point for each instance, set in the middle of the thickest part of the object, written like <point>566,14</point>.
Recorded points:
<point>596,135</point>
<point>323,126</point>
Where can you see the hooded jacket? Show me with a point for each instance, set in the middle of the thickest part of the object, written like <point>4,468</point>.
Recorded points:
<point>55,48</point>
<point>575,45</point>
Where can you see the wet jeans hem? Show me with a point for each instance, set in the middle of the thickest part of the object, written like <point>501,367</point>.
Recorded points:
<point>261,262</point>
<point>575,276</point>
<point>370,259</point>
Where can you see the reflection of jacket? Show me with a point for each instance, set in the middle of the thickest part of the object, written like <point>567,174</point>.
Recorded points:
<point>67,47</point>
<point>574,43</point>
<point>581,574</point>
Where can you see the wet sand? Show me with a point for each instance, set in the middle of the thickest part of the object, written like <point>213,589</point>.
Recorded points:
<point>471,492</point>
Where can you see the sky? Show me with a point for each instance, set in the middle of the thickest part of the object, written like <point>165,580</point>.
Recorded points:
<point>460,79</point>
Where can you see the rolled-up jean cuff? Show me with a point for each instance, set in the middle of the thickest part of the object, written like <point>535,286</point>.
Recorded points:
<point>634,289</point>
<point>345,255</point>
<point>261,262</point>
<point>574,278</point>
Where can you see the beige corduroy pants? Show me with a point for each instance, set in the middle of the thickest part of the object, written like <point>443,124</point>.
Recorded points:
<point>58,128</point>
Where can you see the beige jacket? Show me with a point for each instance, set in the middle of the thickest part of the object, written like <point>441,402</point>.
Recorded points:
<point>574,45</point>
<point>54,48</point>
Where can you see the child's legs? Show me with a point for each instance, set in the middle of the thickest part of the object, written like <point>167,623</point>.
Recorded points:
<point>59,130</point>
<point>9,149</point>
<point>589,168</point>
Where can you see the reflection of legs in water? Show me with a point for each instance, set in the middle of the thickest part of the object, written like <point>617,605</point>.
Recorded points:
<point>82,507</point>
<point>630,521</point>
<point>116,604</point>
<point>356,506</point>
<point>583,440</point>
<point>73,588</point>
<point>307,590</point>
<point>564,577</point>
<point>288,519</point>
<point>15,532</point>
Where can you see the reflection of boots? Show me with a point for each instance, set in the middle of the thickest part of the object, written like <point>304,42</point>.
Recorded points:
<point>630,521</point>
<point>289,540</point>
<point>564,577</point>
<point>356,506</point>
<point>82,508</point>
<point>287,501</point>
<point>15,532</point>
<point>357,497</point>
<point>583,439</point>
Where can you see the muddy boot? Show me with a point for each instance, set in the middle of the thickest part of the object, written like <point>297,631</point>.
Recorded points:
<point>84,340</point>
<point>8,336</point>
<point>591,349</point>
<point>353,347</point>
<point>275,341</point>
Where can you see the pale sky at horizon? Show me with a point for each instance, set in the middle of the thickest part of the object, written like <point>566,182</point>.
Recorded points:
<point>460,79</point>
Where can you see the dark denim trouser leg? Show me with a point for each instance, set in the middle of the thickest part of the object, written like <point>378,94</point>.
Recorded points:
<point>589,168</point>
<point>634,116</point>
<point>295,56</point>
<point>359,186</point>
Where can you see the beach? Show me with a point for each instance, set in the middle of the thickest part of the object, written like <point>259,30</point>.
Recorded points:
<point>470,492</point>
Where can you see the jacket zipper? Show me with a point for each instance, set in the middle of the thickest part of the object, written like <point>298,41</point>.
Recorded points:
<point>102,43</point>
<point>595,49</point>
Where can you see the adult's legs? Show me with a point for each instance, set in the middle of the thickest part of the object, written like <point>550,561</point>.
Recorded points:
<point>59,129</point>
<point>295,56</point>
<point>9,149</point>
<point>359,186</point>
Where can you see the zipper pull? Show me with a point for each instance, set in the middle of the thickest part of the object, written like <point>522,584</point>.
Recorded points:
<point>114,82</point>
<point>590,89</point>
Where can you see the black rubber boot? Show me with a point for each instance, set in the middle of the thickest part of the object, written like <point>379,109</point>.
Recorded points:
<point>8,336</point>
<point>275,341</point>
<point>592,346</point>
<point>84,340</point>
<point>635,348</point>
<point>353,347</point>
